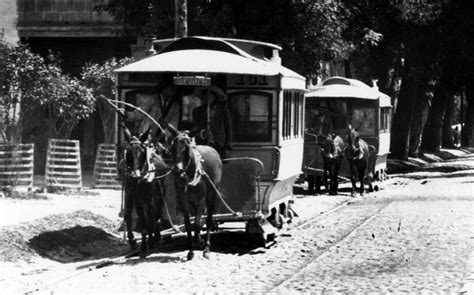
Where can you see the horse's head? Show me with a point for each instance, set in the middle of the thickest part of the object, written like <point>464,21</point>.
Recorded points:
<point>181,150</point>
<point>353,141</point>
<point>136,155</point>
<point>332,146</point>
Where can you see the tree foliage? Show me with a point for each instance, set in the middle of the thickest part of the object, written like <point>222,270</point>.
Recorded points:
<point>309,31</point>
<point>31,84</point>
<point>418,50</point>
<point>100,78</point>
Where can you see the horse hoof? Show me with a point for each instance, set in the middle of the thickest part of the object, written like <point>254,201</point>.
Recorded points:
<point>205,254</point>
<point>190,256</point>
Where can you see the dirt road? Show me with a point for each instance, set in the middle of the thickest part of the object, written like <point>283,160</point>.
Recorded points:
<point>340,244</point>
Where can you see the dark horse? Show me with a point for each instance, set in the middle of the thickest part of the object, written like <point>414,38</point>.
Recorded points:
<point>332,149</point>
<point>359,155</point>
<point>198,172</point>
<point>143,190</point>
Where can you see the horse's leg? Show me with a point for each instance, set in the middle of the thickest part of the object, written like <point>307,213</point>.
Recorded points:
<point>144,225</point>
<point>353,178</point>
<point>369,177</point>
<point>158,211</point>
<point>187,222</point>
<point>210,204</point>
<point>197,223</point>
<point>317,184</point>
<point>128,207</point>
<point>360,174</point>
<point>337,166</point>
<point>150,225</point>
<point>326,175</point>
<point>331,178</point>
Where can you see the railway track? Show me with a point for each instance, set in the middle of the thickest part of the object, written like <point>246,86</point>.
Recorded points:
<point>315,236</point>
<point>343,221</point>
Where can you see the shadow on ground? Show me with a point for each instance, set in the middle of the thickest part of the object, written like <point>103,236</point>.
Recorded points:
<point>78,243</point>
<point>84,243</point>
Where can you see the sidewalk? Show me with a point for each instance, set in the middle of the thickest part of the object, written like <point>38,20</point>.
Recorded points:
<point>427,160</point>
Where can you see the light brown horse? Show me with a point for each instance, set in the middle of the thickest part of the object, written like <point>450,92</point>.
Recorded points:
<point>360,157</point>
<point>198,172</point>
<point>332,152</point>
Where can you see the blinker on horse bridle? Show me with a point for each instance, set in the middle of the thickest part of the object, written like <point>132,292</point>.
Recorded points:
<point>182,172</point>
<point>357,151</point>
<point>148,171</point>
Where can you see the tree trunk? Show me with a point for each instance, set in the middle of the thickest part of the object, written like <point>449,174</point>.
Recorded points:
<point>14,130</point>
<point>447,137</point>
<point>422,108</point>
<point>400,134</point>
<point>431,141</point>
<point>107,117</point>
<point>467,135</point>
<point>181,18</point>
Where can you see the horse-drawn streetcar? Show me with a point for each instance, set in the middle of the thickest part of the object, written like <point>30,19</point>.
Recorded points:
<point>331,107</point>
<point>233,95</point>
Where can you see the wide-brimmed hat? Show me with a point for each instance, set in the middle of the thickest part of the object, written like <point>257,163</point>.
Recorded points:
<point>202,91</point>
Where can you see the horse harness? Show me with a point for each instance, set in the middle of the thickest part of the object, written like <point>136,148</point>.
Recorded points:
<point>356,149</point>
<point>147,173</point>
<point>198,172</point>
<point>196,160</point>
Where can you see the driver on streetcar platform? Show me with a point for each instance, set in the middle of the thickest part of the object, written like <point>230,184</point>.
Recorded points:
<point>212,120</point>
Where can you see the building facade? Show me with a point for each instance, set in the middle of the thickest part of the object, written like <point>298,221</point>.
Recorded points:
<point>79,34</point>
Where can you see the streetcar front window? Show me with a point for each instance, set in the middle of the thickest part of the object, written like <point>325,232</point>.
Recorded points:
<point>325,116</point>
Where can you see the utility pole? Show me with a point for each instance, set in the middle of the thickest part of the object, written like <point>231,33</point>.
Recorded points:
<point>181,18</point>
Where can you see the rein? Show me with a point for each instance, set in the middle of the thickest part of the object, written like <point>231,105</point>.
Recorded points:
<point>199,171</point>
<point>194,157</point>
<point>148,174</point>
<point>355,148</point>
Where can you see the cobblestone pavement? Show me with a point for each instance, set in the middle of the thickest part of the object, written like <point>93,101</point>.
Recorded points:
<point>408,246</point>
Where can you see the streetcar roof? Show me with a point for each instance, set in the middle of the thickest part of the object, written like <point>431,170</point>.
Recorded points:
<point>340,87</point>
<point>207,55</point>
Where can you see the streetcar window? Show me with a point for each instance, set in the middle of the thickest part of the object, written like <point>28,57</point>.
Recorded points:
<point>324,116</point>
<point>142,98</point>
<point>385,119</point>
<point>286,132</point>
<point>292,114</point>
<point>363,120</point>
<point>297,110</point>
<point>251,116</point>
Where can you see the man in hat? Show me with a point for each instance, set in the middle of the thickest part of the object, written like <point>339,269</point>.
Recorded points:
<point>212,120</point>
<point>164,106</point>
